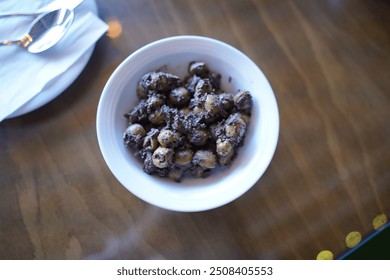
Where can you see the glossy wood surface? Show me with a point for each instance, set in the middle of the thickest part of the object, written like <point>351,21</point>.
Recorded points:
<point>328,63</point>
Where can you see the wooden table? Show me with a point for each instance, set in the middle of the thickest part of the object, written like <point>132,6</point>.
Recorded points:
<point>329,65</point>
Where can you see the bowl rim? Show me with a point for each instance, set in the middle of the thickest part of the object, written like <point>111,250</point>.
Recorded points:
<point>238,191</point>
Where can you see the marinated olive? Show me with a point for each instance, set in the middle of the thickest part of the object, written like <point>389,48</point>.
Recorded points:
<point>198,68</point>
<point>179,97</point>
<point>151,169</point>
<point>235,127</point>
<point>199,172</point>
<point>191,83</point>
<point>148,164</point>
<point>154,102</point>
<point>179,122</point>
<point>140,92</point>
<point>175,174</point>
<point>158,117</point>
<point>168,138</point>
<point>205,159</point>
<point>215,80</point>
<point>211,104</point>
<point>183,157</point>
<point>226,101</point>
<point>226,160</point>
<point>162,157</point>
<point>243,101</point>
<point>217,129</point>
<point>134,134</point>
<point>224,147</point>
<point>202,87</point>
<point>138,113</point>
<point>150,141</point>
<point>198,137</point>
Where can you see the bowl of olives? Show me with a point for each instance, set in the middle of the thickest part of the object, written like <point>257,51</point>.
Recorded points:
<point>187,123</point>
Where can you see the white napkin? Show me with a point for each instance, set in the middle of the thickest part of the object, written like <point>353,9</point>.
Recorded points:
<point>23,75</point>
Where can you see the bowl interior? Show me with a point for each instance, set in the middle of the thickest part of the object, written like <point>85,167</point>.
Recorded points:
<point>173,55</point>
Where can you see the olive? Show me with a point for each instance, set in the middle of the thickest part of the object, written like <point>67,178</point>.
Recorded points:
<point>179,123</point>
<point>152,169</point>
<point>224,147</point>
<point>235,127</point>
<point>175,174</point>
<point>162,157</point>
<point>134,134</point>
<point>198,137</point>
<point>198,172</point>
<point>138,113</point>
<point>158,117</point>
<point>168,138</point>
<point>154,102</point>
<point>150,140</point>
<point>215,80</point>
<point>198,68</point>
<point>205,159</point>
<point>183,157</point>
<point>226,160</point>
<point>135,130</point>
<point>216,130</point>
<point>226,101</point>
<point>202,87</point>
<point>179,97</point>
<point>243,101</point>
<point>211,104</point>
<point>149,167</point>
<point>191,83</point>
<point>140,92</point>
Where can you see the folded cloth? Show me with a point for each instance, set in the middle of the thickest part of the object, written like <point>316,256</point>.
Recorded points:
<point>23,75</point>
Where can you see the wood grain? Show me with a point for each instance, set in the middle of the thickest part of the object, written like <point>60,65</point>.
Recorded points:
<point>328,63</point>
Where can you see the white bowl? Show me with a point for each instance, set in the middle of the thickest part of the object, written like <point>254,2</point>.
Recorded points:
<point>195,194</point>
